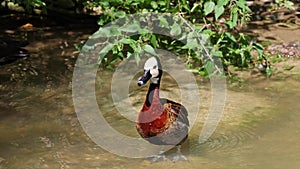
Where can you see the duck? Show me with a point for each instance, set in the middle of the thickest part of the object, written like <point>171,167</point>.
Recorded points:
<point>161,121</point>
<point>12,50</point>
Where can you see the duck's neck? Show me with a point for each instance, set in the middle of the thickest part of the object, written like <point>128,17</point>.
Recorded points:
<point>153,94</point>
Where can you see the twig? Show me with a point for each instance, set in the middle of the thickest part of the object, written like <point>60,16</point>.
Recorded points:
<point>202,45</point>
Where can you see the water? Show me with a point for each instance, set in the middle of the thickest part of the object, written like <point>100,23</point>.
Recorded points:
<point>259,129</point>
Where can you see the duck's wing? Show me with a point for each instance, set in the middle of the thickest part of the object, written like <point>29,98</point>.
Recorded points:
<point>176,127</point>
<point>176,110</point>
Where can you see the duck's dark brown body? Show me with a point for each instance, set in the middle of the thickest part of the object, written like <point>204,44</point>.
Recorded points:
<point>163,122</point>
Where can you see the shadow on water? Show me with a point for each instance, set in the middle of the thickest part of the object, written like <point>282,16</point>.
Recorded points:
<point>39,128</point>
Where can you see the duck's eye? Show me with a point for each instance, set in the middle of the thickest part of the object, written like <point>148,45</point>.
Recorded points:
<point>154,67</point>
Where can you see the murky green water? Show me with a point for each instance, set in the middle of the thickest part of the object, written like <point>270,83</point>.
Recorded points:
<point>260,129</point>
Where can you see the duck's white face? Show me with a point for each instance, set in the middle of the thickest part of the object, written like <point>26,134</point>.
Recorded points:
<point>152,65</point>
<point>151,71</point>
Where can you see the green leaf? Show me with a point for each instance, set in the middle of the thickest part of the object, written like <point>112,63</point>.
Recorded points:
<point>120,54</point>
<point>241,4</point>
<point>175,30</point>
<point>120,14</point>
<point>199,28</point>
<point>162,3</point>
<point>107,48</point>
<point>229,24</point>
<point>208,32</point>
<point>101,22</point>
<point>102,32</point>
<point>193,70</point>
<point>186,7</point>
<point>127,41</point>
<point>131,28</point>
<point>138,48</point>
<point>128,54</point>
<point>217,53</point>
<point>191,36</point>
<point>219,10</point>
<point>288,67</point>
<point>163,22</point>
<point>208,7</point>
<point>137,58</point>
<point>153,41</point>
<point>296,73</point>
<point>144,31</point>
<point>231,37</point>
<point>269,71</point>
<point>191,44</point>
<point>234,19</point>
<point>114,31</point>
<point>289,5</point>
<point>154,4</point>
<point>222,2</point>
<point>149,49</point>
<point>258,46</point>
<point>209,67</point>
<point>202,73</point>
<point>234,16</point>
<point>115,50</point>
<point>196,5</point>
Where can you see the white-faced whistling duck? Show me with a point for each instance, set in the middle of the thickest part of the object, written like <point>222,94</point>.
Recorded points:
<point>161,121</point>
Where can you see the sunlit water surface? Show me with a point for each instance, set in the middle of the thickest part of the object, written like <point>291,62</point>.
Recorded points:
<point>259,129</point>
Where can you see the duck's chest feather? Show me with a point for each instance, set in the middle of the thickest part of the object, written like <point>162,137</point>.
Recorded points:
<point>152,121</point>
<point>162,118</point>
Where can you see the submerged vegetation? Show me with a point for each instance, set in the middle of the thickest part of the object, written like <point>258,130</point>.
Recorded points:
<point>218,20</point>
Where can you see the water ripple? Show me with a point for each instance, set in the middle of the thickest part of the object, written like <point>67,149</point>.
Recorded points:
<point>230,140</point>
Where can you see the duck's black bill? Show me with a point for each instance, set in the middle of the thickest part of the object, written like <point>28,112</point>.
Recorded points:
<point>144,79</point>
